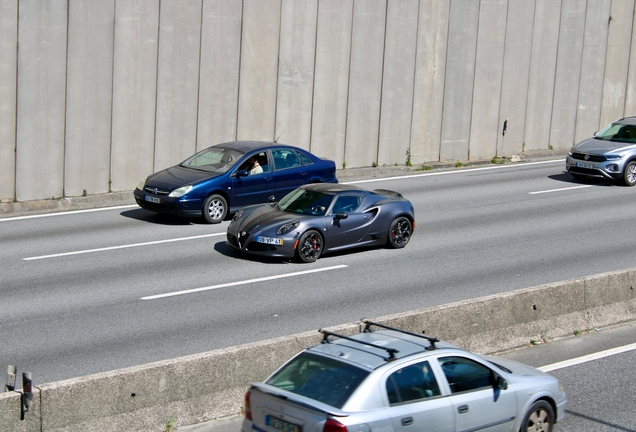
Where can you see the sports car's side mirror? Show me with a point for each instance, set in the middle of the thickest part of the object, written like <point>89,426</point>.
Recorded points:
<point>272,199</point>
<point>341,215</point>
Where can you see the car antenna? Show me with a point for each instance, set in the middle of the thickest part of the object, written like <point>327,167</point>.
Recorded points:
<point>369,323</point>
<point>281,134</point>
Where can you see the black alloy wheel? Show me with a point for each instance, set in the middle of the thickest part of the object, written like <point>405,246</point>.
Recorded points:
<point>400,232</point>
<point>310,246</point>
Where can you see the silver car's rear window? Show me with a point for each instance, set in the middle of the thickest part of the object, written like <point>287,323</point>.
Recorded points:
<point>320,378</point>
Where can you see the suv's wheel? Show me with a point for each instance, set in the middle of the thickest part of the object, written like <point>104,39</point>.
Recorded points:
<point>309,246</point>
<point>399,232</point>
<point>214,209</point>
<point>540,418</point>
<point>629,175</point>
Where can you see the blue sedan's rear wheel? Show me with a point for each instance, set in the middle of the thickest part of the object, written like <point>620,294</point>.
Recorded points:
<point>309,246</point>
<point>400,232</point>
<point>629,175</point>
<point>214,209</point>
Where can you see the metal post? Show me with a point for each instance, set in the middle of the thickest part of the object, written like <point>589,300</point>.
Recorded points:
<point>27,394</point>
<point>10,381</point>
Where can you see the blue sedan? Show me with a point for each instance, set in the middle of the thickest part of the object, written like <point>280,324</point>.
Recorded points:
<point>221,179</point>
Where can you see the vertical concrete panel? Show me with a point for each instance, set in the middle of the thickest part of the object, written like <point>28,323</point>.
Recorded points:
<point>398,82</point>
<point>219,76</point>
<point>630,95</point>
<point>365,82</point>
<point>488,77</point>
<point>460,76</point>
<point>41,99</point>
<point>515,79</point>
<point>568,74</point>
<point>588,116</point>
<point>177,81</point>
<point>259,70</point>
<point>134,91</point>
<point>617,61</point>
<point>89,97</point>
<point>296,72</point>
<point>430,70</point>
<point>8,92</point>
<point>545,41</point>
<point>331,79</point>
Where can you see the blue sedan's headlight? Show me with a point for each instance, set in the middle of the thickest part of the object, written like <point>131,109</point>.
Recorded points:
<point>238,215</point>
<point>178,193</point>
<point>288,227</point>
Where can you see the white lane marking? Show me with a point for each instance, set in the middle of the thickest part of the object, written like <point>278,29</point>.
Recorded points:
<point>588,358</point>
<point>560,189</point>
<point>121,247</point>
<point>245,282</point>
<point>460,171</point>
<point>64,213</point>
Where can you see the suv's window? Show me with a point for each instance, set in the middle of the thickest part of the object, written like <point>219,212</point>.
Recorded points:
<point>465,375</point>
<point>412,383</point>
<point>320,378</point>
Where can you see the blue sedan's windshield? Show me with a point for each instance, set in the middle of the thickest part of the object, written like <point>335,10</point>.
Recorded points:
<point>214,159</point>
<point>306,202</point>
<point>619,133</point>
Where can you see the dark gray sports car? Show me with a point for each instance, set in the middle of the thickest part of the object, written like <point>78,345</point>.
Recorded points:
<point>320,218</point>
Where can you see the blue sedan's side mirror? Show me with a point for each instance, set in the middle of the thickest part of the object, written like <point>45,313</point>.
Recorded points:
<point>243,173</point>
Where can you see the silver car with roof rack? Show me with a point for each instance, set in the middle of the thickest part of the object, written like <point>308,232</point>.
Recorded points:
<point>387,379</point>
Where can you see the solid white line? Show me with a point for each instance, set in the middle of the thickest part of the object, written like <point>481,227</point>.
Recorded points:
<point>64,213</point>
<point>460,171</point>
<point>245,282</point>
<point>588,358</point>
<point>121,247</point>
<point>559,190</point>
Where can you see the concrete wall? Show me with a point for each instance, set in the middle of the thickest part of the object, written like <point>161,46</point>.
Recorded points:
<point>204,386</point>
<point>102,93</point>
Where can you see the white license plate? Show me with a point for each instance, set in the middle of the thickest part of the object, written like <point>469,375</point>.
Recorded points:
<point>152,199</point>
<point>281,425</point>
<point>269,240</point>
<point>585,165</point>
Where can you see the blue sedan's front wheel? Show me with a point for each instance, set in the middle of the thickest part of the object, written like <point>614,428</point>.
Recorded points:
<point>309,246</point>
<point>400,232</point>
<point>214,209</point>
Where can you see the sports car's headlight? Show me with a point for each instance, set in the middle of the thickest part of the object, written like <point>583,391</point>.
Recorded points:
<point>142,183</point>
<point>178,193</point>
<point>238,214</point>
<point>288,227</point>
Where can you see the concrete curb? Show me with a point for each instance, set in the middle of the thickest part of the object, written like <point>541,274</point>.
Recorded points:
<point>197,388</point>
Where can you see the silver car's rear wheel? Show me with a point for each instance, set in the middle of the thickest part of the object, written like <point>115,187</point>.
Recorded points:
<point>629,175</point>
<point>400,232</point>
<point>540,418</point>
<point>309,246</point>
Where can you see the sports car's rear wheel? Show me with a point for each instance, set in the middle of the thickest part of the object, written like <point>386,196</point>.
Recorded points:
<point>540,418</point>
<point>629,175</point>
<point>400,232</point>
<point>309,246</point>
<point>214,209</point>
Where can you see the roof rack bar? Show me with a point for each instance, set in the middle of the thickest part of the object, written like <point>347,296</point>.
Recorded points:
<point>392,351</point>
<point>369,323</point>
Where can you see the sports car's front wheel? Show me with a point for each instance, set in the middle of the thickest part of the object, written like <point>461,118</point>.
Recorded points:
<point>309,246</point>
<point>399,232</point>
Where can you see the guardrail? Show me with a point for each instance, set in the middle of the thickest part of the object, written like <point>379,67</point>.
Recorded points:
<point>197,388</point>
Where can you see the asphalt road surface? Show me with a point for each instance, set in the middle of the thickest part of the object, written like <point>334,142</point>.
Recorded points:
<point>86,292</point>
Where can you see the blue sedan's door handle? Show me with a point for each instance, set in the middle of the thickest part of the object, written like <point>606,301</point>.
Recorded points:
<point>407,421</point>
<point>462,409</point>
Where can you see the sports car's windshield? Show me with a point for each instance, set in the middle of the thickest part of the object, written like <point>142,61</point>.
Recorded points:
<point>214,159</point>
<point>305,202</point>
<point>618,132</point>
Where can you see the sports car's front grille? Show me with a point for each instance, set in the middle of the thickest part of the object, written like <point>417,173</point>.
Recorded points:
<point>588,157</point>
<point>156,191</point>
